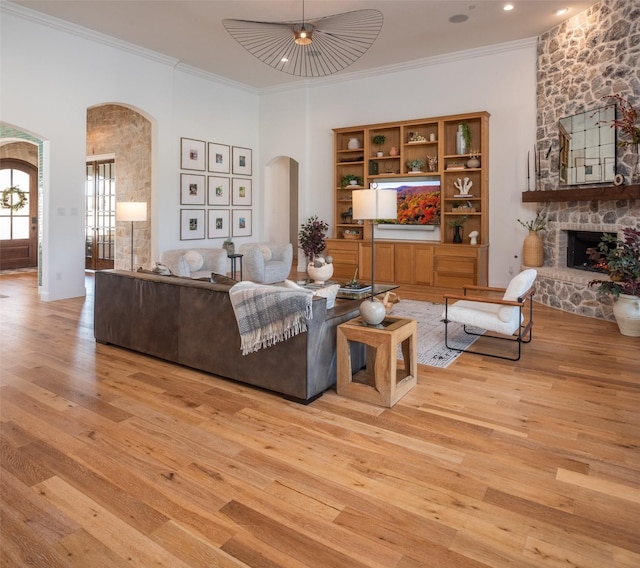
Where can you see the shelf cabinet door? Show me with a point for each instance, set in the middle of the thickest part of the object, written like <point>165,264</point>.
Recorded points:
<point>384,262</point>
<point>345,257</point>
<point>413,264</point>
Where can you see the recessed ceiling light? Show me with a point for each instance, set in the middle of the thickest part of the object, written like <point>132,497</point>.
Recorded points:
<point>458,18</point>
<point>561,11</point>
<point>508,7</point>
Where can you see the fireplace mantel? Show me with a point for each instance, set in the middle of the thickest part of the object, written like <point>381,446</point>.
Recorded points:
<point>606,193</point>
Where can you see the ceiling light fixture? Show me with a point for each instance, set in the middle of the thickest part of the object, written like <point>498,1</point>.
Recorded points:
<point>508,7</point>
<point>561,11</point>
<point>309,48</point>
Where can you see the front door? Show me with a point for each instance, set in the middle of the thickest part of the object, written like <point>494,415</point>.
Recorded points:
<point>18,214</point>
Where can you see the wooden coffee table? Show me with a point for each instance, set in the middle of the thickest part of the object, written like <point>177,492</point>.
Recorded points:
<point>381,381</point>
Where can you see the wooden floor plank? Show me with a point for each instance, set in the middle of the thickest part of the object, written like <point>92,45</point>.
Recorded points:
<point>111,458</point>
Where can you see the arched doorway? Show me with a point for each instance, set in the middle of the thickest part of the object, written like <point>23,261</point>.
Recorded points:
<point>18,214</point>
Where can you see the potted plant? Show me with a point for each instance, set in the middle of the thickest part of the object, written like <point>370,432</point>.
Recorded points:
<point>621,258</point>
<point>457,225</point>
<point>379,140</point>
<point>532,247</point>
<point>415,165</point>
<point>312,237</point>
<point>463,138</point>
<point>350,179</point>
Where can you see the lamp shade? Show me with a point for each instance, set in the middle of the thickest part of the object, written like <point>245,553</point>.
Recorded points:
<point>375,204</point>
<point>131,211</point>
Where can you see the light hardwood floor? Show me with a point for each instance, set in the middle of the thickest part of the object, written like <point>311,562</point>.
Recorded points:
<point>114,459</point>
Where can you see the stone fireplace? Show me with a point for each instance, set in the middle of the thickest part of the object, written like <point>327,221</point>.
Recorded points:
<point>580,63</point>
<point>567,288</point>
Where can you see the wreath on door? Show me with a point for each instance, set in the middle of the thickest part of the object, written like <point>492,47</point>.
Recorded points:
<point>13,198</point>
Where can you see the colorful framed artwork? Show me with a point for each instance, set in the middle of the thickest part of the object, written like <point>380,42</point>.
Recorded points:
<point>192,190</point>
<point>218,158</point>
<point>242,158</point>
<point>241,223</point>
<point>218,224</point>
<point>218,190</point>
<point>241,191</point>
<point>192,224</point>
<point>192,154</point>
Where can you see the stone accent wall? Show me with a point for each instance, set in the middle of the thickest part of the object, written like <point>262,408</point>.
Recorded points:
<point>584,59</point>
<point>115,129</point>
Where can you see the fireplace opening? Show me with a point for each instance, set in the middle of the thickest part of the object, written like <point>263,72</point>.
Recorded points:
<point>583,252</point>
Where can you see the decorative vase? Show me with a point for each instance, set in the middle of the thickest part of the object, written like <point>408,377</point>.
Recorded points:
<point>473,163</point>
<point>320,274</point>
<point>626,309</point>
<point>461,144</point>
<point>372,312</point>
<point>379,153</point>
<point>532,250</point>
<point>457,234</point>
<point>393,151</point>
<point>353,144</point>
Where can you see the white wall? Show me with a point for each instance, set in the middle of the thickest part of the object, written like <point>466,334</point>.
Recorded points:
<point>500,80</point>
<point>49,81</point>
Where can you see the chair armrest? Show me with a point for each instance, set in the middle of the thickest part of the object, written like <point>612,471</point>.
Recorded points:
<point>482,299</point>
<point>483,288</point>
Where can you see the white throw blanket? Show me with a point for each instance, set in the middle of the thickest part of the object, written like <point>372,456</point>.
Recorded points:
<point>267,315</point>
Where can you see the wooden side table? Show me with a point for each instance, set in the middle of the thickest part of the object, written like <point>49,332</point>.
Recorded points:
<point>380,382</point>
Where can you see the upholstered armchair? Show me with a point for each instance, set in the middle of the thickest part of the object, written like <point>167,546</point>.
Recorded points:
<point>196,262</point>
<point>266,263</point>
<point>496,310</point>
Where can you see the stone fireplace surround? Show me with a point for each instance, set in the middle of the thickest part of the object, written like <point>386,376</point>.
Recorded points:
<point>568,288</point>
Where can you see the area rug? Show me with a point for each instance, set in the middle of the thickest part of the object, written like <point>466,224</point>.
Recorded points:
<point>431,349</point>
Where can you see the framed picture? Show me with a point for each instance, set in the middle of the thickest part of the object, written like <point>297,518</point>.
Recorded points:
<point>241,223</point>
<point>191,224</point>
<point>241,191</point>
<point>242,158</point>
<point>192,190</point>
<point>218,224</point>
<point>192,154</point>
<point>218,190</point>
<point>218,158</point>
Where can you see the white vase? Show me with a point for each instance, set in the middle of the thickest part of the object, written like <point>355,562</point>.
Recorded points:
<point>353,144</point>
<point>321,274</point>
<point>626,309</point>
<point>372,312</point>
<point>461,144</point>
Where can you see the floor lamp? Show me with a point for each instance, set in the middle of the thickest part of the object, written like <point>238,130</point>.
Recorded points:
<point>131,211</point>
<point>374,204</point>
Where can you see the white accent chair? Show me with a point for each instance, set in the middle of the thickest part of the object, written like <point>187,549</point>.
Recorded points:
<point>503,316</point>
<point>196,262</point>
<point>266,263</point>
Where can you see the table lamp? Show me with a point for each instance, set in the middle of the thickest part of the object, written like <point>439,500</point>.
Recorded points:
<point>374,203</point>
<point>131,211</point>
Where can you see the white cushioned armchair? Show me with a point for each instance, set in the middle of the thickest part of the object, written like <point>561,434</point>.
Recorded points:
<point>266,263</point>
<point>196,262</point>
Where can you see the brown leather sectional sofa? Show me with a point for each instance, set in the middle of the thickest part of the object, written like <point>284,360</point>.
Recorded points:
<point>191,322</point>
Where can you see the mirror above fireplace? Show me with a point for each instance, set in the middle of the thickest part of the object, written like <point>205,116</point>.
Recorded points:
<point>587,147</point>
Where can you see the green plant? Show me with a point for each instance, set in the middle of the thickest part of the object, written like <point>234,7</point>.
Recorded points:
<point>458,221</point>
<point>312,237</point>
<point>622,263</point>
<point>466,134</point>
<point>537,224</point>
<point>379,140</point>
<point>347,178</point>
<point>415,164</point>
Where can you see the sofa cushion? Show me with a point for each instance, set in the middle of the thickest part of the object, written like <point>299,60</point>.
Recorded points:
<point>194,260</point>
<point>183,267</point>
<point>266,253</point>
<point>222,279</point>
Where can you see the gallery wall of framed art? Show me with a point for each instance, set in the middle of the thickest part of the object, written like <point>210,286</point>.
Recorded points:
<point>217,189</point>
